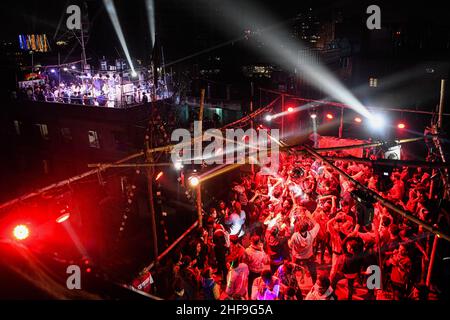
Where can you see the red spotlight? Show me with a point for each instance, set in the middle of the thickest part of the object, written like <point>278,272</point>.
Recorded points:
<point>88,270</point>
<point>358,120</point>
<point>290,109</point>
<point>401,125</point>
<point>329,116</point>
<point>21,232</point>
<point>160,174</point>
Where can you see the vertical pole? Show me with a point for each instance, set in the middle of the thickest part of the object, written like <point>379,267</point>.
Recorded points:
<point>252,143</point>
<point>441,103</point>
<point>59,69</point>
<point>282,118</point>
<point>433,257</point>
<point>83,49</point>
<point>199,188</point>
<point>150,171</point>
<point>200,115</point>
<point>380,263</point>
<point>199,205</point>
<point>341,124</point>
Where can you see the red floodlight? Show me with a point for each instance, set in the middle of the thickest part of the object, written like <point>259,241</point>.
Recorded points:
<point>401,125</point>
<point>21,232</point>
<point>329,116</point>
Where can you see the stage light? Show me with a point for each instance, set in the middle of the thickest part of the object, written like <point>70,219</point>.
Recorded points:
<point>313,116</point>
<point>401,125</point>
<point>268,118</point>
<point>358,120</point>
<point>290,109</point>
<point>377,121</point>
<point>65,69</point>
<point>329,116</point>
<point>52,70</point>
<point>194,181</point>
<point>63,218</point>
<point>73,67</point>
<point>21,232</point>
<point>160,174</point>
<point>134,74</point>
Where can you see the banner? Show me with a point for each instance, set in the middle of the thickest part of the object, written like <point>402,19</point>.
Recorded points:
<point>330,142</point>
<point>34,42</point>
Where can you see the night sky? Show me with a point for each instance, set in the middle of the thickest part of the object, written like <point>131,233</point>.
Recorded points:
<point>186,26</point>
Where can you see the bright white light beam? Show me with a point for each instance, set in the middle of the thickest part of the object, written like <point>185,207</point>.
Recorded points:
<point>111,9</point>
<point>287,53</point>
<point>150,5</point>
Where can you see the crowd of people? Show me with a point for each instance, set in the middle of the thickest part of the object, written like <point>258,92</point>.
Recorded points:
<point>297,234</point>
<point>105,90</point>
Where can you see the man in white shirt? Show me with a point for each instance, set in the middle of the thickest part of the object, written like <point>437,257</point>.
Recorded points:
<point>236,220</point>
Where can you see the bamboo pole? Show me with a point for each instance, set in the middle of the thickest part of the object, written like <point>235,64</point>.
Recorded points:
<point>66,182</point>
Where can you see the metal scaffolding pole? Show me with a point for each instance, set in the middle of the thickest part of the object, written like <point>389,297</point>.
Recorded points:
<point>376,196</point>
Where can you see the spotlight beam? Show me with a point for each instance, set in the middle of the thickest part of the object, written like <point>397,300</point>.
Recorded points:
<point>286,53</point>
<point>150,6</point>
<point>111,9</point>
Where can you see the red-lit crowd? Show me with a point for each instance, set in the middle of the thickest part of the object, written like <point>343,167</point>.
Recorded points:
<point>298,234</point>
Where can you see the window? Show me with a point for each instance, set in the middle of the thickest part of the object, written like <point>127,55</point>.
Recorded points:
<point>43,130</point>
<point>66,134</point>
<point>17,125</point>
<point>373,82</point>
<point>93,139</point>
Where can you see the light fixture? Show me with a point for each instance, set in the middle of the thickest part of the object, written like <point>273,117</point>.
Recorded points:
<point>194,181</point>
<point>21,232</point>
